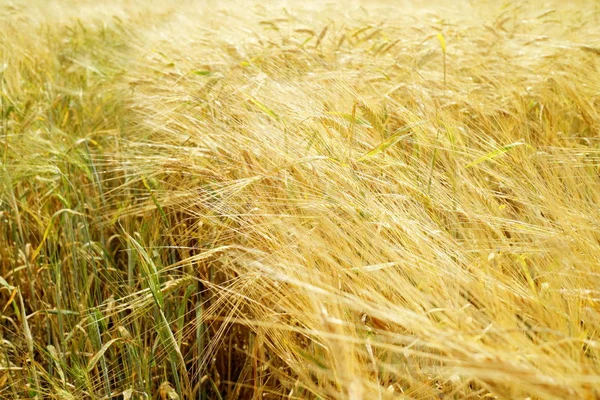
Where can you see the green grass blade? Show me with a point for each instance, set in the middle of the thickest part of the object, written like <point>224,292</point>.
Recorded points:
<point>495,153</point>
<point>265,109</point>
<point>94,360</point>
<point>442,41</point>
<point>392,140</point>
<point>353,119</point>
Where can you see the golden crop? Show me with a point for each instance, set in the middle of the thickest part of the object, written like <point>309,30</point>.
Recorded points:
<point>277,199</point>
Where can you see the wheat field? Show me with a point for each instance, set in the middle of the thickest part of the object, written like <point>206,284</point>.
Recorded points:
<point>300,200</point>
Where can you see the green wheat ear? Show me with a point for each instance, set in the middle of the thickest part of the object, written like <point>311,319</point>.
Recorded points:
<point>151,273</point>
